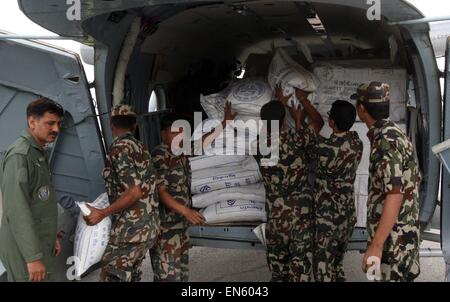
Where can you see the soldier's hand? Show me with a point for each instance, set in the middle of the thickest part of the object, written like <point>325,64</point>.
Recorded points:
<point>280,96</point>
<point>372,251</point>
<point>57,247</point>
<point>301,94</point>
<point>297,114</point>
<point>95,217</point>
<point>194,217</point>
<point>228,114</point>
<point>36,271</point>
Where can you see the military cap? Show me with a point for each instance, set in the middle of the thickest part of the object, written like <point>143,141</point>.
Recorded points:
<point>373,93</point>
<point>122,110</point>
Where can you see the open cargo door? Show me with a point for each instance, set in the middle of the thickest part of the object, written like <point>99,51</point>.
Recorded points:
<point>29,70</point>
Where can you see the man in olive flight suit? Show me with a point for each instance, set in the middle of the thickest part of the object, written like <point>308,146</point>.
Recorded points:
<point>28,234</point>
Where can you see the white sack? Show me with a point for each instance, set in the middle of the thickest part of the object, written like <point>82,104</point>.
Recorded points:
<point>90,241</point>
<point>205,161</point>
<point>254,192</point>
<point>246,97</point>
<point>249,95</point>
<point>285,71</point>
<point>214,104</point>
<point>207,180</point>
<point>235,211</point>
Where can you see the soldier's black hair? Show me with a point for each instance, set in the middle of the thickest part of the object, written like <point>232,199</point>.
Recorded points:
<point>343,113</point>
<point>377,111</point>
<point>39,107</point>
<point>168,119</point>
<point>273,111</point>
<point>126,122</point>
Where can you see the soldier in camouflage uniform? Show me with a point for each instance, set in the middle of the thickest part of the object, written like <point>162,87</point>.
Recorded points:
<point>289,193</point>
<point>394,180</point>
<point>130,182</point>
<point>170,258</point>
<point>336,161</point>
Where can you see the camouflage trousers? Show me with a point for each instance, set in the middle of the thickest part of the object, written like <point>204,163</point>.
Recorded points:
<point>122,261</point>
<point>170,256</point>
<point>404,267</point>
<point>331,237</point>
<point>398,264</point>
<point>400,259</point>
<point>289,243</point>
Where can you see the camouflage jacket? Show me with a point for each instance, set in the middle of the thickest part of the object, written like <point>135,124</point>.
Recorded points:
<point>336,161</point>
<point>175,174</point>
<point>288,179</point>
<point>393,163</point>
<point>128,164</point>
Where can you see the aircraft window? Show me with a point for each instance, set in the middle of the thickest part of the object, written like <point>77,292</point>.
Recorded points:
<point>153,102</point>
<point>73,79</point>
<point>157,99</point>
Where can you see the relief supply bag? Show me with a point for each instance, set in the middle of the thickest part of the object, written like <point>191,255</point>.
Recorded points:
<point>90,241</point>
<point>205,161</point>
<point>235,211</point>
<point>285,71</point>
<point>254,192</point>
<point>207,180</point>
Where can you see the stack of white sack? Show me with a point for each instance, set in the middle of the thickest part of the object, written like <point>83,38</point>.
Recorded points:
<point>221,177</point>
<point>249,95</point>
<point>339,80</point>
<point>225,189</point>
<point>228,188</point>
<point>90,241</point>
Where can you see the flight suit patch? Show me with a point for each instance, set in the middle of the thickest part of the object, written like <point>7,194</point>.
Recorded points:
<point>44,193</point>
